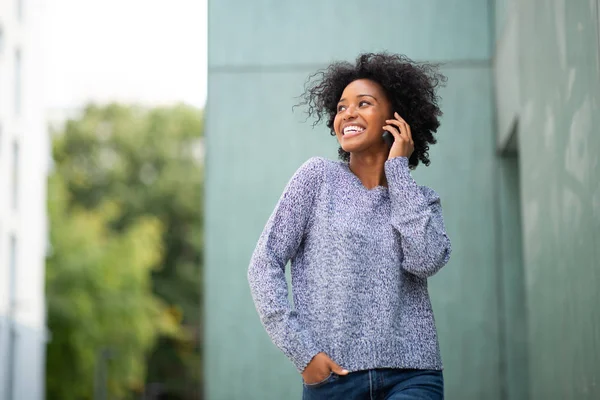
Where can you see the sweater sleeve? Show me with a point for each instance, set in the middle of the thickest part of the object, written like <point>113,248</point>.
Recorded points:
<point>277,244</point>
<point>417,216</point>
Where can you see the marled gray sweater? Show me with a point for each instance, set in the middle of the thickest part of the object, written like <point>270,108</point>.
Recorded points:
<point>359,262</point>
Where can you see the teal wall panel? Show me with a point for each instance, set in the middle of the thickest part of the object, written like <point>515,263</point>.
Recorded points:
<point>249,161</point>
<point>507,81</point>
<point>501,15</point>
<point>464,293</point>
<point>560,178</point>
<point>255,143</point>
<point>516,307</point>
<point>260,54</point>
<point>278,33</point>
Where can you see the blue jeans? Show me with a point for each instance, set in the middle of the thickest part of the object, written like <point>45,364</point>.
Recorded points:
<point>379,384</point>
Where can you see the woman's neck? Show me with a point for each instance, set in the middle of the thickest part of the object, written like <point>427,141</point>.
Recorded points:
<point>369,169</point>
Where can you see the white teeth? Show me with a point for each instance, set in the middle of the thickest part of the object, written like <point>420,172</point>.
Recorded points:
<point>353,128</point>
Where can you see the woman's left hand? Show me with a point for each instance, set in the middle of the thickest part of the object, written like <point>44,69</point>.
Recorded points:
<point>403,142</point>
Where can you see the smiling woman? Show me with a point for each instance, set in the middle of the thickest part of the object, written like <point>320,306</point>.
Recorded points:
<point>361,115</point>
<point>362,238</point>
<point>407,87</point>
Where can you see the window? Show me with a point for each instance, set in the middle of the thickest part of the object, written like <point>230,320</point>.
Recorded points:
<point>15,177</point>
<point>18,83</point>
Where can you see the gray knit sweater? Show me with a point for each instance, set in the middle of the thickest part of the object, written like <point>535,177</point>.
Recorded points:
<point>360,260</point>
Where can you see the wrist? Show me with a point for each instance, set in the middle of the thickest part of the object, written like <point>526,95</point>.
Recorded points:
<point>402,160</point>
<point>397,172</point>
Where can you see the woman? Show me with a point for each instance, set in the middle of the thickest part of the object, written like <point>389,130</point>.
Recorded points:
<point>362,238</point>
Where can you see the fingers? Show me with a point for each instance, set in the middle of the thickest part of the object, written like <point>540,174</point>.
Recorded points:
<point>394,131</point>
<point>405,125</point>
<point>320,365</point>
<point>402,126</point>
<point>337,369</point>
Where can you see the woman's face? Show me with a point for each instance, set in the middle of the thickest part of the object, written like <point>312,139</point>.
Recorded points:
<point>361,114</point>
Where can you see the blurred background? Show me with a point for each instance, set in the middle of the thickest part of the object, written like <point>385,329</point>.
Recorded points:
<point>101,176</point>
<point>143,145</point>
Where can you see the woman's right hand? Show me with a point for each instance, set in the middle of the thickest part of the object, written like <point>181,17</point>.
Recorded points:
<point>319,369</point>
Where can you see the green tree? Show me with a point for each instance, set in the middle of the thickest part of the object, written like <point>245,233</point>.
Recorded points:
<point>147,165</point>
<point>100,297</point>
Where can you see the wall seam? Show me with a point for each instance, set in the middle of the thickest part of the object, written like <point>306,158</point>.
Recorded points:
<point>499,267</point>
<point>283,68</point>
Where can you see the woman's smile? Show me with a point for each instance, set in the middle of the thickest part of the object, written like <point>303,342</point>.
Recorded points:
<point>350,130</point>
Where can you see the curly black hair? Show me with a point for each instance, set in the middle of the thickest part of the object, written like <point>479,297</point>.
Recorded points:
<point>410,87</point>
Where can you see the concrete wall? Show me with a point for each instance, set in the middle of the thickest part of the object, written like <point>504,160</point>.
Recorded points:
<point>24,376</point>
<point>22,202</point>
<point>550,99</point>
<point>517,305</point>
<point>260,54</point>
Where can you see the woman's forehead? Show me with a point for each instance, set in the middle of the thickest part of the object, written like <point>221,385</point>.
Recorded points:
<point>362,86</point>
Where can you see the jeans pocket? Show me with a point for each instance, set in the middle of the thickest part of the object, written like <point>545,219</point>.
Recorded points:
<point>330,378</point>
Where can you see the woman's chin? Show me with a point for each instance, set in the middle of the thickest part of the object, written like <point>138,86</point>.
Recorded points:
<point>349,149</point>
<point>355,146</point>
<point>366,148</point>
<point>351,146</point>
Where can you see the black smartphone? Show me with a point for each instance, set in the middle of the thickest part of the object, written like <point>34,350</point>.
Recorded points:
<point>388,138</point>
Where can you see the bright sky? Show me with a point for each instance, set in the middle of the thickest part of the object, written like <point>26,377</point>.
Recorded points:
<point>143,51</point>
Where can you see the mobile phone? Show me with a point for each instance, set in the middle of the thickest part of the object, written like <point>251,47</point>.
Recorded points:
<point>388,138</point>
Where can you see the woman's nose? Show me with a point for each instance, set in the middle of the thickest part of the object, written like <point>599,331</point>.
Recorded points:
<point>350,112</point>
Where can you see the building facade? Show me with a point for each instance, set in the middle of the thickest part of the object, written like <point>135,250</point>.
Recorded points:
<point>547,92</point>
<point>516,166</point>
<point>24,163</point>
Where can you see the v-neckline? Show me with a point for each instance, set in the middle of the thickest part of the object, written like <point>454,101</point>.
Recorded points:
<point>358,182</point>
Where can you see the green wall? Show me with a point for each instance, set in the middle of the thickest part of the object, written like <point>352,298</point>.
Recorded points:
<point>555,81</point>
<point>260,54</point>
<point>516,165</point>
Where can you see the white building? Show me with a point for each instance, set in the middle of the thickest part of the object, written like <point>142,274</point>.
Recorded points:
<point>24,150</point>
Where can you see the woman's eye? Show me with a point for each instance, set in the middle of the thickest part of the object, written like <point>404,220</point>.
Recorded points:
<point>363,103</point>
<point>341,108</point>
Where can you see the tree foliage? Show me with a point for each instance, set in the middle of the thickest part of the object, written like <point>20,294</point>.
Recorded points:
<point>124,270</point>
